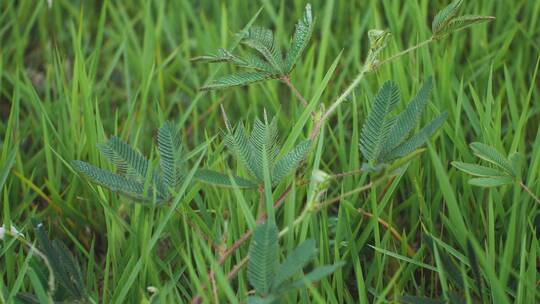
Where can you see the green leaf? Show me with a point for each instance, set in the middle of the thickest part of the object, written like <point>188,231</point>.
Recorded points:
<point>477,170</point>
<point>290,161</point>
<point>416,140</point>
<point>378,124</point>
<point>238,142</point>
<point>222,180</point>
<point>443,18</point>
<point>255,62</point>
<point>462,22</point>
<point>113,182</point>
<point>262,40</point>
<point>302,35</point>
<point>170,154</point>
<point>493,156</point>
<point>239,79</point>
<point>407,120</point>
<point>125,158</point>
<point>263,257</point>
<point>491,181</point>
<point>294,263</point>
<point>317,274</point>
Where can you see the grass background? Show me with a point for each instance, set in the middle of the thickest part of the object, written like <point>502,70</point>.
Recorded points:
<point>80,71</point>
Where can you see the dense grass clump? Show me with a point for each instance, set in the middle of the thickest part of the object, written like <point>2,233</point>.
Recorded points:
<point>269,152</point>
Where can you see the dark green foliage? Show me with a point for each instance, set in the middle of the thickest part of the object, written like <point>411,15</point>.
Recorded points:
<point>270,279</point>
<point>268,61</point>
<point>133,178</point>
<point>385,138</point>
<point>249,150</point>
<point>67,274</point>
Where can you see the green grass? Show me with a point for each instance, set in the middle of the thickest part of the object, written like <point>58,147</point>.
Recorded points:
<point>75,74</point>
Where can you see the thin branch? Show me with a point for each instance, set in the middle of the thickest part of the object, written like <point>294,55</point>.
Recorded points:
<point>228,252</point>
<point>404,52</point>
<point>395,234</point>
<point>529,191</point>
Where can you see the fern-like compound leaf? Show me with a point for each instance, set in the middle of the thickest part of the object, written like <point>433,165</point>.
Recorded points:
<point>294,263</point>
<point>114,182</point>
<point>407,120</point>
<point>300,40</point>
<point>170,150</point>
<point>262,40</point>
<point>462,22</point>
<point>239,79</point>
<point>445,16</point>
<point>264,140</point>
<point>493,156</point>
<point>125,158</point>
<point>223,180</point>
<point>263,257</point>
<point>65,269</point>
<point>290,161</point>
<point>222,55</point>
<point>378,123</point>
<point>239,143</point>
<point>416,140</point>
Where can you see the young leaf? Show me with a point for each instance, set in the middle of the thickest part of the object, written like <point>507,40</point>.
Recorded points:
<point>264,138</point>
<point>491,181</point>
<point>317,274</point>
<point>462,22</point>
<point>378,124</point>
<point>477,170</point>
<point>294,262</point>
<point>443,18</point>
<point>302,35</point>
<point>416,140</point>
<point>493,156</point>
<point>263,257</point>
<point>170,154</point>
<point>290,161</point>
<point>239,79</point>
<point>223,180</point>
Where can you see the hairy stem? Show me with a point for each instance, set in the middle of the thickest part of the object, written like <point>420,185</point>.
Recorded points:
<point>529,191</point>
<point>285,79</point>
